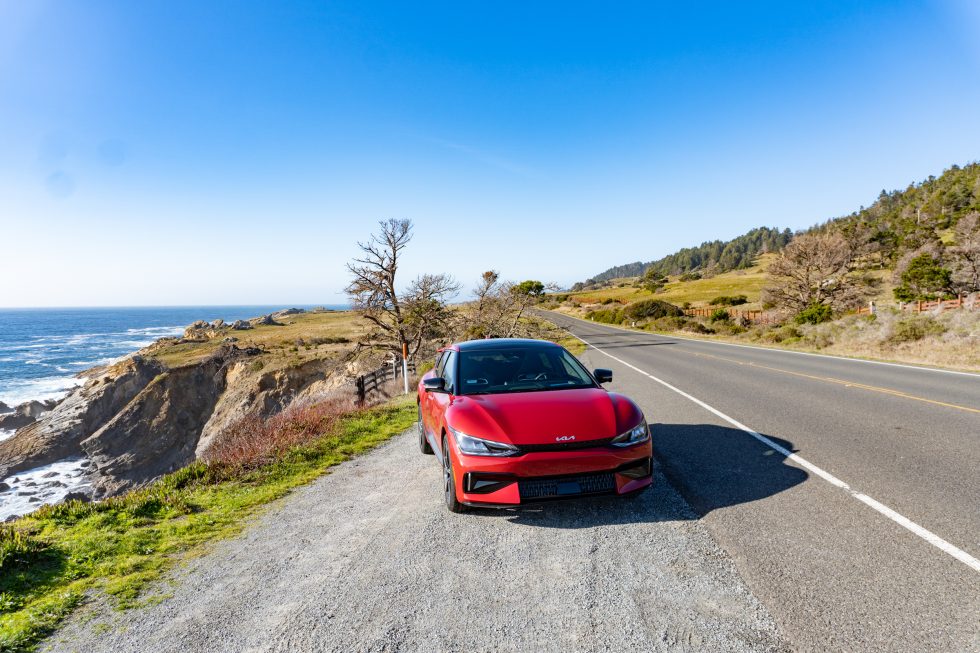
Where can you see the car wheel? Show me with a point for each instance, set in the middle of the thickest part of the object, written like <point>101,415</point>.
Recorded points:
<point>423,442</point>
<point>449,480</point>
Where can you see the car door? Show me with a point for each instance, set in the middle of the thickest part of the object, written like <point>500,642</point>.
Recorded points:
<point>425,399</point>
<point>439,401</point>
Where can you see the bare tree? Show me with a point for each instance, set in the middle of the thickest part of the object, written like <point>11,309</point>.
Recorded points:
<point>501,307</point>
<point>400,321</point>
<point>814,269</point>
<point>966,253</point>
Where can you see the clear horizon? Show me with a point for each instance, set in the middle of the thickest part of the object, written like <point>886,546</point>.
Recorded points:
<point>182,154</point>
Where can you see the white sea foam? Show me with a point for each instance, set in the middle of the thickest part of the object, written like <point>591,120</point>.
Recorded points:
<point>17,391</point>
<point>33,488</point>
<point>6,433</point>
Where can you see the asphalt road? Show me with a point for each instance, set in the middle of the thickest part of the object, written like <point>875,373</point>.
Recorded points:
<point>868,538</point>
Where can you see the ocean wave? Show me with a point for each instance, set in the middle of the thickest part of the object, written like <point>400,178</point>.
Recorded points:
<point>17,391</point>
<point>157,331</point>
<point>48,484</point>
<point>6,433</point>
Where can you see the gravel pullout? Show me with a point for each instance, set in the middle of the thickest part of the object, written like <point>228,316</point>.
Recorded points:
<point>369,559</point>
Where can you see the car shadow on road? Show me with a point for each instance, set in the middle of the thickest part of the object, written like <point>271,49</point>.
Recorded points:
<point>710,466</point>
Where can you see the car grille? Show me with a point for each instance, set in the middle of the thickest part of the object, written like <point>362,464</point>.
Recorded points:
<point>566,486</point>
<point>564,446</point>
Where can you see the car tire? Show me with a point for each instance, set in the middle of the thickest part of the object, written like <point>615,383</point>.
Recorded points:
<point>424,445</point>
<point>449,480</point>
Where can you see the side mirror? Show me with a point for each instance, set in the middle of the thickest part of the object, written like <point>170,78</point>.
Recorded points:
<point>434,384</point>
<point>602,375</point>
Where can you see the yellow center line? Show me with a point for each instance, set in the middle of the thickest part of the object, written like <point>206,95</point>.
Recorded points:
<point>847,384</point>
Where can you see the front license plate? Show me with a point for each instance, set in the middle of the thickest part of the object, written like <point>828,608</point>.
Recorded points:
<point>569,487</point>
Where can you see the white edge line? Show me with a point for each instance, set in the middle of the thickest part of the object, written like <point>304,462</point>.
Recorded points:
<point>774,349</point>
<point>899,519</point>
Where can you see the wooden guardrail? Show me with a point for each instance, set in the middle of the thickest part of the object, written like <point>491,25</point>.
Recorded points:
<point>367,385</point>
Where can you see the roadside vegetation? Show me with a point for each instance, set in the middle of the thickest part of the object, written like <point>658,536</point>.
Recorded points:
<point>839,287</point>
<point>53,559</point>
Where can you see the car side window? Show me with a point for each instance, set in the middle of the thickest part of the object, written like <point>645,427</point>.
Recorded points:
<point>449,371</point>
<point>440,358</point>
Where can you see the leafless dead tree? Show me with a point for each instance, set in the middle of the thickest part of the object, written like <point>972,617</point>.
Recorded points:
<point>814,269</point>
<point>401,321</point>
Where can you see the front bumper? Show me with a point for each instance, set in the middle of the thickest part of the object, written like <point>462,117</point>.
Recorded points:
<point>544,476</point>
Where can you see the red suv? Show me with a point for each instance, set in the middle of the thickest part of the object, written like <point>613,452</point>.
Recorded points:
<point>514,421</point>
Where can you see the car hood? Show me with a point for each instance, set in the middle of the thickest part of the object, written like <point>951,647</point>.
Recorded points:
<point>524,418</point>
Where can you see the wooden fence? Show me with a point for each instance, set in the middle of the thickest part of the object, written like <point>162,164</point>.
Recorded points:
<point>921,306</point>
<point>758,317</point>
<point>372,383</point>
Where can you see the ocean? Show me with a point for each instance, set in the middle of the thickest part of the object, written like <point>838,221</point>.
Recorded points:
<point>43,349</point>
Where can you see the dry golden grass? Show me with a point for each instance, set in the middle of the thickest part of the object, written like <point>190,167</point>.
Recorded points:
<point>748,282</point>
<point>293,343</point>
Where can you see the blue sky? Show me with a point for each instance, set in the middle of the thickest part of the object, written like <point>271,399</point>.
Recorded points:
<point>234,152</point>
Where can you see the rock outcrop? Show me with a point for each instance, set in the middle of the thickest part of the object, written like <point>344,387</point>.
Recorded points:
<point>58,434</point>
<point>265,320</point>
<point>288,311</point>
<point>4,408</point>
<point>241,325</point>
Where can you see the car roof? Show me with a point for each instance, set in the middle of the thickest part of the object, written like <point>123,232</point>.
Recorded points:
<point>499,343</point>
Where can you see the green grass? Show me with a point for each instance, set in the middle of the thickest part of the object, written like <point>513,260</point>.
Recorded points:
<point>53,559</point>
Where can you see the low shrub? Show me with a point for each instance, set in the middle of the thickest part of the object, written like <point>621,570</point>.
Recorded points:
<point>689,276</point>
<point>697,327</point>
<point>652,309</point>
<point>720,315</point>
<point>915,328</point>
<point>254,441</point>
<point>783,333</point>
<point>606,315</point>
<point>815,314</point>
<point>729,300</point>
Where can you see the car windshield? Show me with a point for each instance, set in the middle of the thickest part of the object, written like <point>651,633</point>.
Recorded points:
<point>520,369</point>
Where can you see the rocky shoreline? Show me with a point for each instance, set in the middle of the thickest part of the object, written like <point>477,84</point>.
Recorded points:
<point>139,418</point>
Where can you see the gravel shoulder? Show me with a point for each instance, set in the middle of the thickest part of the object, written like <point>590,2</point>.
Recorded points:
<point>367,558</point>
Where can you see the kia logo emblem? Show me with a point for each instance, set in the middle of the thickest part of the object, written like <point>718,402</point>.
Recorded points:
<point>564,438</point>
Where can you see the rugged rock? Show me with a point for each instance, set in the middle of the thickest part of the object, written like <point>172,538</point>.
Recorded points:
<point>4,408</point>
<point>288,311</point>
<point>265,394</point>
<point>217,324</point>
<point>58,433</point>
<point>76,496</point>
<point>266,320</point>
<point>34,408</point>
<point>241,325</point>
<point>14,421</point>
<point>158,430</point>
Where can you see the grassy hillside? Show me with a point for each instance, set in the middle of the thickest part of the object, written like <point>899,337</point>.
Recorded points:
<point>698,292</point>
<point>298,338</point>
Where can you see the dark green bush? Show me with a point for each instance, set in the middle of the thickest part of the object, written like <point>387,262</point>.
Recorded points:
<point>729,300</point>
<point>689,276</point>
<point>720,315</point>
<point>815,314</point>
<point>607,315</point>
<point>652,309</point>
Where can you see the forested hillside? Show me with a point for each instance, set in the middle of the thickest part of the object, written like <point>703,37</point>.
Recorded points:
<point>935,220</point>
<point>923,215</point>
<point>711,257</point>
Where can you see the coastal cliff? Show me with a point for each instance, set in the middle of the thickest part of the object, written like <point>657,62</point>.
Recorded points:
<point>160,409</point>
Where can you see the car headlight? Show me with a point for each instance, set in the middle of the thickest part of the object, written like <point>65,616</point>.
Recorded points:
<point>479,447</point>
<point>636,435</point>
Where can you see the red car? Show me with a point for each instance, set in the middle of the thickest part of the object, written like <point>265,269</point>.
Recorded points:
<point>514,421</point>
